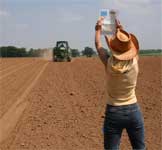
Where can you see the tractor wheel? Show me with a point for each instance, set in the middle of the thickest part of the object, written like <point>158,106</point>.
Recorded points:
<point>55,60</point>
<point>69,59</point>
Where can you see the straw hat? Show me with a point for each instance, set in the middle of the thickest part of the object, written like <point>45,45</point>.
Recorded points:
<point>124,46</point>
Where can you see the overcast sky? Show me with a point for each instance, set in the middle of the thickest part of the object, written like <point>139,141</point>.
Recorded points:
<point>40,23</point>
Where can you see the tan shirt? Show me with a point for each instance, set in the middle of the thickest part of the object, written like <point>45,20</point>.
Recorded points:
<point>121,81</point>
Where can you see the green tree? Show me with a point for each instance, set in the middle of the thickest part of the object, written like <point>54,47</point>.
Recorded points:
<point>21,52</point>
<point>75,53</point>
<point>34,52</point>
<point>31,52</point>
<point>12,51</point>
<point>88,51</point>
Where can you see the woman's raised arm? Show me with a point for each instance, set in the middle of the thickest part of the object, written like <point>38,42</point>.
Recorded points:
<point>101,51</point>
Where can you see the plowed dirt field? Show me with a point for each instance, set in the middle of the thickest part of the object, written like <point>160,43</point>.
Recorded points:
<point>46,105</point>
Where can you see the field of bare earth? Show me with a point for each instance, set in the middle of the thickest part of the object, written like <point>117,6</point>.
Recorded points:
<point>48,105</point>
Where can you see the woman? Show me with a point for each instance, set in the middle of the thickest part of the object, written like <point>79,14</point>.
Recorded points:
<point>122,111</point>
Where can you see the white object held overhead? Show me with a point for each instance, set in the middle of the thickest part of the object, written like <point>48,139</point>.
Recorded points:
<point>109,25</point>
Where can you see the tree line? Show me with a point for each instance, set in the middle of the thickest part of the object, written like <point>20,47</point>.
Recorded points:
<point>88,51</point>
<point>151,52</point>
<point>12,51</point>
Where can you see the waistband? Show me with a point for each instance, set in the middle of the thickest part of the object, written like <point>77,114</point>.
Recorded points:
<point>131,107</point>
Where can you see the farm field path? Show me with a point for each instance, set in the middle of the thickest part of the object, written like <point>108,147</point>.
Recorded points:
<point>14,87</point>
<point>65,108</point>
<point>9,120</point>
<point>7,64</point>
<point>14,83</point>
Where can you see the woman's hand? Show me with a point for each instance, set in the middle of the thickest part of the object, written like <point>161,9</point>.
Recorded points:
<point>118,24</point>
<point>99,24</point>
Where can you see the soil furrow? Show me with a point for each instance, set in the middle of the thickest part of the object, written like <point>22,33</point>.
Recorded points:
<point>9,94</point>
<point>14,113</point>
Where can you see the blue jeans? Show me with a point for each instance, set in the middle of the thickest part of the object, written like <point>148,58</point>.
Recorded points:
<point>127,117</point>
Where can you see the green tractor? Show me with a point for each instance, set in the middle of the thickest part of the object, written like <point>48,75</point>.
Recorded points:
<point>61,52</point>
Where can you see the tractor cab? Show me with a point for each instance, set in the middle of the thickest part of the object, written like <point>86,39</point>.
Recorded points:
<point>61,52</point>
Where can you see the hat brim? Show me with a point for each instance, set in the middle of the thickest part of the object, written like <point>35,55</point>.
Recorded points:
<point>129,54</point>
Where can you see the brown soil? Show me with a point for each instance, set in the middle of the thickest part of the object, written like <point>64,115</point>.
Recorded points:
<point>65,108</point>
